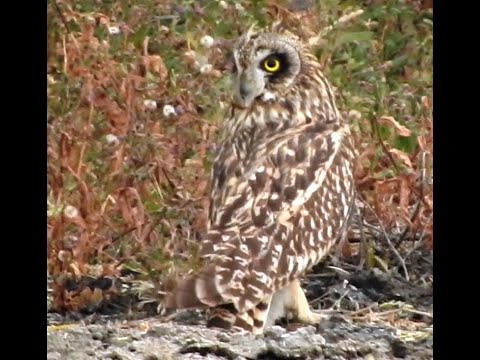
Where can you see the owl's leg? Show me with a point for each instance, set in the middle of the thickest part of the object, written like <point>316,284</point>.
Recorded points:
<point>297,306</point>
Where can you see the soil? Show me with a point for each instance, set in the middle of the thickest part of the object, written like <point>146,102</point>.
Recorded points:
<point>372,315</point>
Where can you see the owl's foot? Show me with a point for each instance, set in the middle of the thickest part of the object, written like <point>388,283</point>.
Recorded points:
<point>298,307</point>
<point>308,317</point>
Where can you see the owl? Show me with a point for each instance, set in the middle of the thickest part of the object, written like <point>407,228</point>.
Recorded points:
<point>282,188</point>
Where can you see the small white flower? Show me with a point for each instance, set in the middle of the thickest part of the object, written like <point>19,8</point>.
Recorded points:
<point>163,29</point>
<point>205,69</point>
<point>112,139</point>
<point>223,4</point>
<point>371,24</point>
<point>51,80</point>
<point>64,256</point>
<point>207,41</point>
<point>150,104</point>
<point>70,211</point>
<point>168,110</point>
<point>69,241</point>
<point>90,20</point>
<point>354,114</point>
<point>239,7</point>
<point>113,30</point>
<point>190,54</point>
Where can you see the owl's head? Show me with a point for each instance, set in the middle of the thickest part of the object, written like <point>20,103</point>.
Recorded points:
<point>267,64</point>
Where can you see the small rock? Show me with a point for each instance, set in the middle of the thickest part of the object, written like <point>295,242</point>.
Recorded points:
<point>54,319</point>
<point>54,356</point>
<point>399,348</point>
<point>136,336</point>
<point>151,357</point>
<point>223,337</point>
<point>120,341</point>
<point>97,335</point>
<point>119,354</point>
<point>161,330</point>
<point>274,332</point>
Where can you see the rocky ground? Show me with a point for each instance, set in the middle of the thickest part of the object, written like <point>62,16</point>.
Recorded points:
<point>370,315</point>
<point>151,340</point>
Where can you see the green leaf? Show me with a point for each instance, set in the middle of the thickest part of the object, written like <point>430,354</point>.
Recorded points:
<point>353,36</point>
<point>406,144</point>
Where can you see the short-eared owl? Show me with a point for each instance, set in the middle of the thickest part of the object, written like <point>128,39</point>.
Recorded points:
<point>281,189</point>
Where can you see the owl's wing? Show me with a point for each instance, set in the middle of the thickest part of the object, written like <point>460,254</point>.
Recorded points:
<point>273,215</point>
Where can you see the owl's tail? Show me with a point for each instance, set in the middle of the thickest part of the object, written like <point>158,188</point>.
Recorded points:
<point>196,291</point>
<point>199,290</point>
<point>227,317</point>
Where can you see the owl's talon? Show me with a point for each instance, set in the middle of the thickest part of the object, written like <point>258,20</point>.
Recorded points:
<point>309,317</point>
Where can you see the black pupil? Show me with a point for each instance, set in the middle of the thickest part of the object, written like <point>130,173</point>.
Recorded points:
<point>271,63</point>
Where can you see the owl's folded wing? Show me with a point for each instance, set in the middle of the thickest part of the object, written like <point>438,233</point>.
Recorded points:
<point>272,216</point>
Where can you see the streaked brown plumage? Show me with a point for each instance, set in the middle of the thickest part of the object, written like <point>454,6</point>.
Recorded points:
<point>281,189</point>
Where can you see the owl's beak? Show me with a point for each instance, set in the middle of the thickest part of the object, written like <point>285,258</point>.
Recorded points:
<point>243,97</point>
<point>250,85</point>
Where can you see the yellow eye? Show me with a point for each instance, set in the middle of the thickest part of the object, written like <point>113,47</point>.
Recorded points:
<point>271,64</point>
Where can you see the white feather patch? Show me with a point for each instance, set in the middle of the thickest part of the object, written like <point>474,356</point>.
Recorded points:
<point>268,96</point>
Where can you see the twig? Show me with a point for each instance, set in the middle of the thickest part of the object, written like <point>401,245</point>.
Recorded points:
<point>344,19</point>
<point>337,302</point>
<point>65,57</point>
<point>170,182</point>
<point>156,185</point>
<point>363,242</point>
<point>370,226</point>
<point>62,17</point>
<point>318,299</point>
<point>417,208</point>
<point>338,271</point>
<point>384,147</point>
<point>419,242</point>
<point>84,145</point>
<point>149,229</point>
<point>109,198</point>
<point>313,276</point>
<point>145,45</point>
<point>115,238</point>
<point>360,311</point>
<point>402,261</point>
<point>418,312</point>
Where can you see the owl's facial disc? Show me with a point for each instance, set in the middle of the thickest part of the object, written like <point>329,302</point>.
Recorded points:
<point>271,66</point>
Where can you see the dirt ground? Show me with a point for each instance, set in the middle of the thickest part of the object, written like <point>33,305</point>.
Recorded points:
<point>369,315</point>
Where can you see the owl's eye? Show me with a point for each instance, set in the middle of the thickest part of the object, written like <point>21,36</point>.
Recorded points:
<point>271,64</point>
